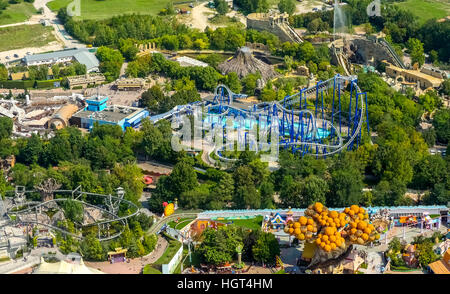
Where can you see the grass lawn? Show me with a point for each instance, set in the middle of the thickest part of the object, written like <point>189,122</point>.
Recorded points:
<point>149,270</point>
<point>155,268</point>
<point>426,9</point>
<point>25,36</point>
<point>181,224</point>
<point>94,9</point>
<point>173,247</point>
<point>252,223</point>
<point>17,13</point>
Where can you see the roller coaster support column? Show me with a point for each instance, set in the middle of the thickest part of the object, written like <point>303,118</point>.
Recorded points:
<point>300,118</point>
<point>350,110</point>
<point>355,120</point>
<point>367,114</point>
<point>339,95</point>
<point>332,104</point>
<point>317,96</point>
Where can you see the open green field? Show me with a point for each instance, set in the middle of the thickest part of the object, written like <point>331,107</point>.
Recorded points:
<point>17,13</point>
<point>23,36</point>
<point>173,247</point>
<point>94,9</point>
<point>252,223</point>
<point>426,9</point>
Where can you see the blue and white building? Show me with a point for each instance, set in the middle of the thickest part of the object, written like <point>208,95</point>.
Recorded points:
<point>97,110</point>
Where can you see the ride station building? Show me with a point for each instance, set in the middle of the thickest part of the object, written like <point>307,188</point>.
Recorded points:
<point>97,110</point>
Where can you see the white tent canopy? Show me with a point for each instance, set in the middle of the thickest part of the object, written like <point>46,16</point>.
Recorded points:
<point>64,267</point>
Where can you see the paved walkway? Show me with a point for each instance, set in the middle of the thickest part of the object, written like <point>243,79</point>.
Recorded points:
<point>136,265</point>
<point>374,263</point>
<point>18,265</point>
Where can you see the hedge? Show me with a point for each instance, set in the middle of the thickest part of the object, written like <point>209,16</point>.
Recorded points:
<point>26,84</point>
<point>16,84</point>
<point>47,83</point>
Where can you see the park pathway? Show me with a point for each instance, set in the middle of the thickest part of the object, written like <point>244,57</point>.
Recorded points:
<point>136,265</point>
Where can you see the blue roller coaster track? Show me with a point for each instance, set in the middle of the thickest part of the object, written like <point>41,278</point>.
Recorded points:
<point>320,120</point>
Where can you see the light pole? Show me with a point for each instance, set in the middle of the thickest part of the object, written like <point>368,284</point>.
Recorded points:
<point>239,252</point>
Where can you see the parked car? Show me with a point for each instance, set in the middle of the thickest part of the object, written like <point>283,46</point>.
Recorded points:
<point>16,56</point>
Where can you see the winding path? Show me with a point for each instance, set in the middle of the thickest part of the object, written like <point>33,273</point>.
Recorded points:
<point>136,265</point>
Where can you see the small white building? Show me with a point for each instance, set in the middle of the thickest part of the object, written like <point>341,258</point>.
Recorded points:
<point>82,55</point>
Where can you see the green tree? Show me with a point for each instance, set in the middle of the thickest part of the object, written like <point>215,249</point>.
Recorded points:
<point>266,248</point>
<point>441,123</point>
<point>429,136</point>
<point>129,176</point>
<point>345,187</point>
<point>287,6</point>
<point>249,83</point>
<point>426,254</point>
<point>416,50</point>
<point>430,101</point>
<point>128,49</point>
<point>221,6</point>
<point>183,177</point>
<point>395,245</point>
<point>110,62</point>
<point>432,169</point>
<point>439,195</point>
<point>170,42</point>
<point>219,246</point>
<point>314,190</point>
<point>73,210</point>
<point>233,82</point>
<point>149,242</point>
<point>4,185</point>
<point>156,140</point>
<point>31,152</point>
<point>268,95</point>
<point>222,192</point>
<point>194,199</point>
<point>6,127</point>
<point>445,87</point>
<point>267,192</point>
<point>3,72</point>
<point>152,98</point>
<point>92,249</point>
<point>303,192</point>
